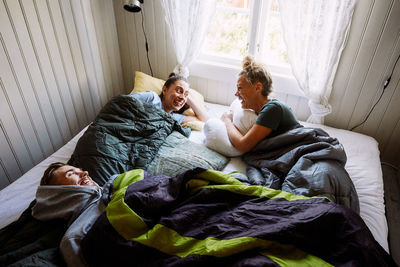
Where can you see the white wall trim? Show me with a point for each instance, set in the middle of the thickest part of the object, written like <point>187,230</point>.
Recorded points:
<point>283,81</point>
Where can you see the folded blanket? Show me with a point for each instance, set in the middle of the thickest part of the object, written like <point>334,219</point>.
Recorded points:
<point>205,217</point>
<point>303,161</point>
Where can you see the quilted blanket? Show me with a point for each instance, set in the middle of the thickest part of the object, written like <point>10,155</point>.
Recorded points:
<point>126,134</point>
<point>303,161</point>
<point>205,217</point>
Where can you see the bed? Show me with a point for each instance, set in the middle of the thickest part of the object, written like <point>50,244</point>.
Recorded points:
<point>363,166</point>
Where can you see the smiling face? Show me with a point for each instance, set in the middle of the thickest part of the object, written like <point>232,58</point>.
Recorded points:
<point>175,97</point>
<point>246,92</point>
<point>70,175</point>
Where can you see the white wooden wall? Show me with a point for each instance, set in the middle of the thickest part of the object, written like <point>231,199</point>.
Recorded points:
<point>59,64</point>
<point>372,48</point>
<point>366,63</point>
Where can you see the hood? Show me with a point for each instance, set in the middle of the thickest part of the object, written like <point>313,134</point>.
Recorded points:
<point>63,201</point>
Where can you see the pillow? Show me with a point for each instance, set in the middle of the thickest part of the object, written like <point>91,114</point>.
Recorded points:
<point>243,119</point>
<point>217,136</point>
<point>179,154</point>
<point>144,82</point>
<point>194,125</point>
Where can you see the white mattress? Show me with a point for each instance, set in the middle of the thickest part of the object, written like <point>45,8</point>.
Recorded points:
<point>363,166</point>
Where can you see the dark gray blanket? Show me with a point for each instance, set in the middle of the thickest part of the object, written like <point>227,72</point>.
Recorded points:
<point>303,161</point>
<point>126,134</point>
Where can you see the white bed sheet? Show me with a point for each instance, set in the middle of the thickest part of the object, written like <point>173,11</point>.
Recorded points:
<point>363,166</point>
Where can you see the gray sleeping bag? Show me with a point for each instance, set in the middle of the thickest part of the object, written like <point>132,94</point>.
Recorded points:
<point>303,161</point>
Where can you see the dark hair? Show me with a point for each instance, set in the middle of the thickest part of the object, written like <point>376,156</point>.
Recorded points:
<point>48,173</point>
<point>172,78</point>
<point>256,72</point>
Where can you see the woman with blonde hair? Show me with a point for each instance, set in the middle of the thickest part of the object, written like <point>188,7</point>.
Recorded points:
<point>254,85</point>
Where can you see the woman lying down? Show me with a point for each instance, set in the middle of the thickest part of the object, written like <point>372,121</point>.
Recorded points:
<point>174,99</point>
<point>199,217</point>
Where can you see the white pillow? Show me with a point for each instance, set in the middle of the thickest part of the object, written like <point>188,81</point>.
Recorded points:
<point>217,136</point>
<point>243,119</point>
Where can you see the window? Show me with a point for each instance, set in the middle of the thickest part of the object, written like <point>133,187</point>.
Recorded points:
<point>241,27</point>
<point>228,31</point>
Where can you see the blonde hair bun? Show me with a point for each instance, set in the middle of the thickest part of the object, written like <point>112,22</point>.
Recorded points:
<point>256,72</point>
<point>249,63</point>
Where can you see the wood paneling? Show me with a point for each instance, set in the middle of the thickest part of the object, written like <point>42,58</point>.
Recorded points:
<point>60,63</point>
<point>10,163</point>
<point>367,61</point>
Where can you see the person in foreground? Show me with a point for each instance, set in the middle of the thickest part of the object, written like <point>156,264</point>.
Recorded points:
<point>273,117</point>
<point>174,99</point>
<point>144,223</point>
<point>66,192</point>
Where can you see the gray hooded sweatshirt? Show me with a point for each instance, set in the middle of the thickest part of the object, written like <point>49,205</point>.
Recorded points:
<point>79,205</point>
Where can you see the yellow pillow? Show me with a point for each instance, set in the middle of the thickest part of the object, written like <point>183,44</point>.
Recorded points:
<point>144,82</point>
<point>194,125</point>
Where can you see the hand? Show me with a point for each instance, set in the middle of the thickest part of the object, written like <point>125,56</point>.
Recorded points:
<point>227,116</point>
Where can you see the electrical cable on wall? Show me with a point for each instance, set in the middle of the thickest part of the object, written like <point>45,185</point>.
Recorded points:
<point>147,46</point>
<point>385,84</point>
<point>135,6</point>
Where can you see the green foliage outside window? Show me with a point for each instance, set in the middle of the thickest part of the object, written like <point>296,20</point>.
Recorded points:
<point>228,32</point>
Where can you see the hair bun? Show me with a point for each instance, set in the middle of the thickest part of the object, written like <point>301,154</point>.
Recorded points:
<point>172,74</point>
<point>249,63</point>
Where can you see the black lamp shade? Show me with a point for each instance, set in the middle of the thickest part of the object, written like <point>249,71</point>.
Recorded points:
<point>133,5</point>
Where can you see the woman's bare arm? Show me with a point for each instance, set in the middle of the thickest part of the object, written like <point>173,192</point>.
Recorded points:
<point>200,112</point>
<point>244,143</point>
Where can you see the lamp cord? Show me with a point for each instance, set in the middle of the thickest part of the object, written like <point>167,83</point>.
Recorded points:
<point>385,84</point>
<point>147,46</point>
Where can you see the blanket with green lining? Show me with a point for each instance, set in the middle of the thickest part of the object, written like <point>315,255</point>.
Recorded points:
<point>207,217</point>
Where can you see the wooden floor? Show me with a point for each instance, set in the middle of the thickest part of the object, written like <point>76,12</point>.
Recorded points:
<point>391,179</point>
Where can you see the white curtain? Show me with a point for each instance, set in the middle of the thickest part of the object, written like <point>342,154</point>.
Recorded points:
<point>188,22</point>
<point>315,33</point>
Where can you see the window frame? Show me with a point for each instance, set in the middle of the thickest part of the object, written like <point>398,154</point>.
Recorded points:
<point>222,68</point>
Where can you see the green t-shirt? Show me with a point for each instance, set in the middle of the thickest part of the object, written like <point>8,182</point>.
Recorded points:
<point>276,116</point>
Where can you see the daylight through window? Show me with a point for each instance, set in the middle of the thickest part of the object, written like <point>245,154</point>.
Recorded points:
<point>241,27</point>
